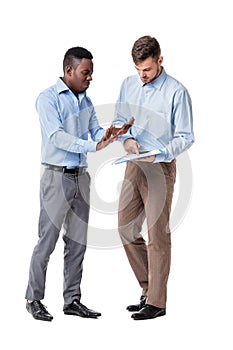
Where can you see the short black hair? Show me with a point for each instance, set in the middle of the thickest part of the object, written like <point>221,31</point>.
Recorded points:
<point>145,47</point>
<point>74,54</point>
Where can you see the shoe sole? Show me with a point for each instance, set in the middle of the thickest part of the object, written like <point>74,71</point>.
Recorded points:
<point>42,319</point>
<point>73,314</point>
<point>149,318</point>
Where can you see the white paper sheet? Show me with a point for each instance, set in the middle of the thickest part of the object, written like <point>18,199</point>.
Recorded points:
<point>129,157</point>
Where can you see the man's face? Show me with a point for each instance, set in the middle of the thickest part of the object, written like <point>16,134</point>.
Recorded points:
<point>81,76</point>
<point>149,69</point>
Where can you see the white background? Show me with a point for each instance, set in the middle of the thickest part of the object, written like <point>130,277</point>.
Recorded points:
<point>196,42</point>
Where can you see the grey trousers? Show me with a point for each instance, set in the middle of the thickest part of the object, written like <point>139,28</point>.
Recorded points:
<point>64,204</point>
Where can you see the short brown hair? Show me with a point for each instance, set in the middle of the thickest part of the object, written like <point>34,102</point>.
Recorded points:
<point>145,47</point>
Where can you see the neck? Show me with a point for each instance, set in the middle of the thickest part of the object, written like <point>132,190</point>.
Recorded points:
<point>69,86</point>
<point>159,71</point>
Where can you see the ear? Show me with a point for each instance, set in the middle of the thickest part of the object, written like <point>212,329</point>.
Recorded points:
<point>160,60</point>
<point>68,70</point>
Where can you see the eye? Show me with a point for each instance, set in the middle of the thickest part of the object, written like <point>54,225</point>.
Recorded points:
<point>87,73</point>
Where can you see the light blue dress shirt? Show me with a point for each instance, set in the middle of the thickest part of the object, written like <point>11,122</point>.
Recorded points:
<point>66,123</point>
<point>163,115</point>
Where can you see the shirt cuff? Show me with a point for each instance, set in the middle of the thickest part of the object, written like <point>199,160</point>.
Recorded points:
<point>91,146</point>
<point>161,157</point>
<point>123,138</point>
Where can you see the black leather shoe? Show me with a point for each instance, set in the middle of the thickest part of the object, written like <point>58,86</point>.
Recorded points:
<point>38,311</point>
<point>149,311</point>
<point>137,307</point>
<point>78,309</point>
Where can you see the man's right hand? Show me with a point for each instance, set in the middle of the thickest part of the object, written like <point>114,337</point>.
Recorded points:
<point>112,132</point>
<point>102,144</point>
<point>131,146</point>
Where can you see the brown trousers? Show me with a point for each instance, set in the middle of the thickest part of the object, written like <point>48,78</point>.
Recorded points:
<point>147,193</point>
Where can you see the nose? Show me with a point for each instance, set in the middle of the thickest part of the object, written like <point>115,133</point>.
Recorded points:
<point>89,77</point>
<point>142,74</point>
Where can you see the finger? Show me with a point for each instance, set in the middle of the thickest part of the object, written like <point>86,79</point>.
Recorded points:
<point>113,138</point>
<point>131,121</point>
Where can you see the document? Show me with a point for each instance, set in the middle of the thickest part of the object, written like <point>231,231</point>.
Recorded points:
<point>129,157</point>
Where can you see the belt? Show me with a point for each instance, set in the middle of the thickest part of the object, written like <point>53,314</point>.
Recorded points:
<point>65,170</point>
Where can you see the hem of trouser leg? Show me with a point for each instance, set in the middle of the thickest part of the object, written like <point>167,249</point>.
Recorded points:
<point>161,306</point>
<point>70,301</point>
<point>33,299</point>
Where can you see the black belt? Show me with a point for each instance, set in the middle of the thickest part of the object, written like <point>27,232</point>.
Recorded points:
<point>63,169</point>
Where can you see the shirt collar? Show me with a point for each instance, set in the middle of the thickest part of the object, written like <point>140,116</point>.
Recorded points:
<point>62,87</point>
<point>158,82</point>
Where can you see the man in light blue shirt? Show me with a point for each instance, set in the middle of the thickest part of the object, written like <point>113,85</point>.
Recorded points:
<point>67,118</point>
<point>163,127</point>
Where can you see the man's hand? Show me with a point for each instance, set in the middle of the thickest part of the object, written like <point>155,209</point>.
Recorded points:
<point>108,133</point>
<point>123,130</point>
<point>112,132</point>
<point>102,144</point>
<point>131,146</point>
